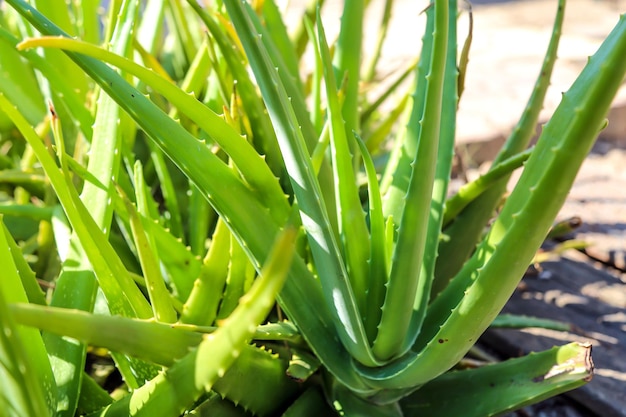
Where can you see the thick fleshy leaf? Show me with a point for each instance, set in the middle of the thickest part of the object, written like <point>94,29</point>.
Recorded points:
<point>503,387</point>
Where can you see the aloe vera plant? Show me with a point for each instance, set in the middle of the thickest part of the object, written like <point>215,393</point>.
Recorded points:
<point>180,183</point>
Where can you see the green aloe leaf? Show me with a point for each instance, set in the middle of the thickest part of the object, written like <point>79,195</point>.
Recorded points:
<point>76,286</point>
<point>158,343</point>
<point>19,83</point>
<point>203,303</point>
<point>408,285</point>
<point>321,237</point>
<point>463,234</point>
<point>172,391</point>
<point>443,170</point>
<point>301,297</point>
<point>267,392</point>
<point>385,19</point>
<point>381,306</point>
<point>397,174</point>
<point>503,387</point>
<point>378,246</point>
<point>92,396</point>
<point>276,27</point>
<point>263,134</point>
<point>310,404</point>
<point>123,295</point>
<point>375,104</point>
<point>489,278</point>
<point>158,293</point>
<point>353,233</point>
<point>251,165</point>
<point>26,378</point>
<point>301,111</point>
<point>111,273</point>
<point>71,75</point>
<point>238,280</point>
<point>470,191</point>
<point>347,60</point>
<point>29,279</point>
<point>514,321</point>
<point>75,103</point>
<point>181,265</point>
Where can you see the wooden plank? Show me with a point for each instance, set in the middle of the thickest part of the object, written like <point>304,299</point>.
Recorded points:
<point>593,301</point>
<point>598,198</point>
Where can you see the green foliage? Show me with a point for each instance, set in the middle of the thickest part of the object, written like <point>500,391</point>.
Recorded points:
<point>182,190</point>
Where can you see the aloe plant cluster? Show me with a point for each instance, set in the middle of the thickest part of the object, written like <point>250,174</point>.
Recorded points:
<point>227,222</point>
